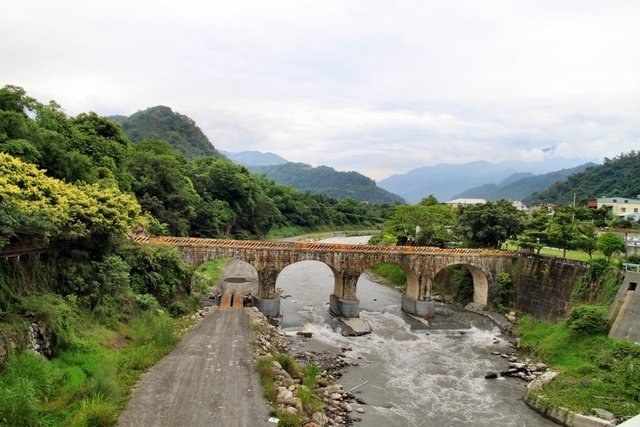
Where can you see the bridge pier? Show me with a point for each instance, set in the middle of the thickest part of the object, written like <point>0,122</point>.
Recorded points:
<point>267,300</point>
<point>270,307</point>
<point>343,301</point>
<point>421,308</point>
<point>344,308</point>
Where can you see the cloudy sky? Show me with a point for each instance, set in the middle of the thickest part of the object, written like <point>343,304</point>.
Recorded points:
<point>376,86</point>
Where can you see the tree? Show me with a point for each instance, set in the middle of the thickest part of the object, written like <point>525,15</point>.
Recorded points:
<point>426,225</point>
<point>490,224</point>
<point>217,179</point>
<point>586,238</point>
<point>609,243</point>
<point>429,200</point>
<point>162,186</point>
<point>535,231</point>
<point>561,232</point>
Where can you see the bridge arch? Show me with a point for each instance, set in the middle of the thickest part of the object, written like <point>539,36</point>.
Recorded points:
<point>335,284</point>
<point>481,281</point>
<point>347,262</point>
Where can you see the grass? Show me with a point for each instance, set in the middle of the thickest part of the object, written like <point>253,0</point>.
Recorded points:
<point>595,371</point>
<point>393,274</point>
<point>88,383</point>
<point>208,274</point>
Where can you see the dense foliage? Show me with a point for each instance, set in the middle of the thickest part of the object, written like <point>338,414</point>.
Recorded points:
<point>490,224</point>
<point>178,178</point>
<point>36,207</point>
<point>616,177</point>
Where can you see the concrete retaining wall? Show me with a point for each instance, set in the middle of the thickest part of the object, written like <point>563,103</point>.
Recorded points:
<point>624,313</point>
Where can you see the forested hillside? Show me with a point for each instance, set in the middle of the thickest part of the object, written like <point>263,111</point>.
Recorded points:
<point>519,187</point>
<point>617,177</point>
<point>160,123</point>
<point>205,196</point>
<point>327,181</point>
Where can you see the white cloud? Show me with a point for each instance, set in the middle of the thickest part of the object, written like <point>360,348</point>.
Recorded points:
<point>379,87</point>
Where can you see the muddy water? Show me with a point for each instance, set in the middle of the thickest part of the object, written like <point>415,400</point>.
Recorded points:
<point>416,374</point>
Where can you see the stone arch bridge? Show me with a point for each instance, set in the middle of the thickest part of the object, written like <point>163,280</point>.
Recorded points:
<point>348,262</point>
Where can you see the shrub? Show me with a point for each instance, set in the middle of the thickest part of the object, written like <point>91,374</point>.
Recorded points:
<point>634,259</point>
<point>157,270</point>
<point>178,309</point>
<point>588,320</point>
<point>599,285</point>
<point>147,302</point>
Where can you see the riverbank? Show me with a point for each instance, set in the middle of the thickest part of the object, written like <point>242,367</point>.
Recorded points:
<point>301,386</point>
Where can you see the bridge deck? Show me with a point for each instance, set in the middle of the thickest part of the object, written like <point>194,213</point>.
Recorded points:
<point>318,247</point>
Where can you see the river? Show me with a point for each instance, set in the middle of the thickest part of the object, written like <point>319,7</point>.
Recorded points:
<point>417,375</point>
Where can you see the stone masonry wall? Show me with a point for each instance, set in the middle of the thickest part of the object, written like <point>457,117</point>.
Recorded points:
<point>543,285</point>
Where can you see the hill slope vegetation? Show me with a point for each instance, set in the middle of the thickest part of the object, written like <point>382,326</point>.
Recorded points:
<point>615,177</point>
<point>160,123</point>
<point>327,181</point>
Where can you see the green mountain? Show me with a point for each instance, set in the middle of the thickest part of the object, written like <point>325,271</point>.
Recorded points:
<point>161,123</point>
<point>328,181</point>
<point>615,177</point>
<point>254,158</point>
<point>519,186</point>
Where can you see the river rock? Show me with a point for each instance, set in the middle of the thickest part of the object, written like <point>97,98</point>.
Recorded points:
<point>290,410</point>
<point>346,406</point>
<point>319,418</point>
<point>603,413</point>
<point>296,402</point>
<point>359,410</point>
<point>491,375</point>
<point>541,381</point>
<point>541,367</point>
<point>284,394</point>
<point>304,334</point>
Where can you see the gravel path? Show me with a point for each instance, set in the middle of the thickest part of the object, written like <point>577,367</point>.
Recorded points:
<point>209,379</point>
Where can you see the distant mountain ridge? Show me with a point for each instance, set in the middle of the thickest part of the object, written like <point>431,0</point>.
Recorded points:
<point>255,158</point>
<point>445,181</point>
<point>326,180</point>
<point>520,185</point>
<point>162,123</point>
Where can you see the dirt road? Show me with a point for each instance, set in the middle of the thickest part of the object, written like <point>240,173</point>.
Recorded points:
<point>209,379</point>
